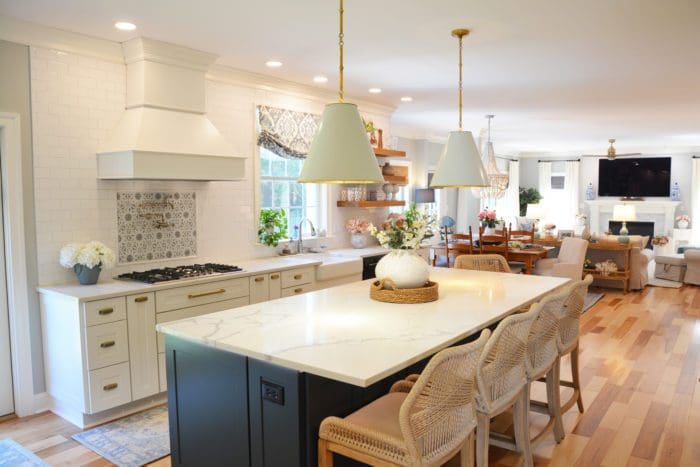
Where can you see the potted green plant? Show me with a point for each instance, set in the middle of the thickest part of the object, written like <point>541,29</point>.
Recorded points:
<point>528,196</point>
<point>273,226</point>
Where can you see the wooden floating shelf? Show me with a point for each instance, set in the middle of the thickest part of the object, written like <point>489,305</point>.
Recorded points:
<point>370,204</point>
<point>397,179</point>
<point>385,152</point>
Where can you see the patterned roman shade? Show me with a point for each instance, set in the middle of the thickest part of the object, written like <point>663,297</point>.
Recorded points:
<point>285,132</point>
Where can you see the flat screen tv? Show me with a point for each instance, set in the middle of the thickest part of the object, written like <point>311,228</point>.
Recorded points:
<point>634,177</point>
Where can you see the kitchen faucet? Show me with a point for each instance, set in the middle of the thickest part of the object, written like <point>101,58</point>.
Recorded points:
<point>300,245</point>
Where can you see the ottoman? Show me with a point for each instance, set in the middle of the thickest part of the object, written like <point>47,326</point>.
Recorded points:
<point>670,267</point>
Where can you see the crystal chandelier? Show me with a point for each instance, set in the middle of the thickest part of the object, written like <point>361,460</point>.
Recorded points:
<point>498,181</point>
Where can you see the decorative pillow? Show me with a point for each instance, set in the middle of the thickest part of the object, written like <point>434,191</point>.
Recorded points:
<point>524,223</point>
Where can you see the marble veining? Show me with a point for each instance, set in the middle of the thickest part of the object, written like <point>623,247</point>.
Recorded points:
<point>342,334</point>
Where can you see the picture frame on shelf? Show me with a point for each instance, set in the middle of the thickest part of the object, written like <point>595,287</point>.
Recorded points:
<point>562,233</point>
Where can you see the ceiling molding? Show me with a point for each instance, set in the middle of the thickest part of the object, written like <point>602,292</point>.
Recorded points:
<point>32,34</point>
<point>229,75</point>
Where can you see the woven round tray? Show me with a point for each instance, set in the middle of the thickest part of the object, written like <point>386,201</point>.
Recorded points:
<point>427,293</point>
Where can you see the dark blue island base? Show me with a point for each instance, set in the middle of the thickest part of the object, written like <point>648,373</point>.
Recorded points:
<point>229,410</point>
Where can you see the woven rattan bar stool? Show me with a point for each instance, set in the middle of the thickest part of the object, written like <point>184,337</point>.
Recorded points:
<point>426,426</point>
<point>493,263</point>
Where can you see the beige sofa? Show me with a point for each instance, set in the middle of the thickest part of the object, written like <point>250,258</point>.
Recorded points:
<point>639,261</point>
<point>692,274</point>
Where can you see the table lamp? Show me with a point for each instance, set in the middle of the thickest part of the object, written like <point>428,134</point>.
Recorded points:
<point>624,213</point>
<point>535,212</point>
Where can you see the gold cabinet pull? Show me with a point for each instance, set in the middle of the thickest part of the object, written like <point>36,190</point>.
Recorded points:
<point>297,277</point>
<point>105,311</point>
<point>204,294</point>
<point>141,299</point>
<point>259,279</point>
<point>299,290</point>
<point>275,276</point>
<point>107,344</point>
<point>110,386</point>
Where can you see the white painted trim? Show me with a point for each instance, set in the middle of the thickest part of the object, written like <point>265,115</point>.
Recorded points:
<point>17,298</point>
<point>42,402</point>
<point>27,33</point>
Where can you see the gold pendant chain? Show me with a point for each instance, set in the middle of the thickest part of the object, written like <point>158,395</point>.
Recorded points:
<point>460,83</point>
<point>341,42</point>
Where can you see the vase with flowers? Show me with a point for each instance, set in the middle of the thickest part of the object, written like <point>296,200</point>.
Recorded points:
<point>403,235</point>
<point>357,227</point>
<point>683,221</point>
<point>488,221</point>
<point>659,243</point>
<point>87,260</point>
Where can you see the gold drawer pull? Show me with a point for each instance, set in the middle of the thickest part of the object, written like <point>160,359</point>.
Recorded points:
<point>141,299</point>
<point>107,344</point>
<point>204,294</point>
<point>275,276</point>
<point>297,277</point>
<point>299,290</point>
<point>105,311</point>
<point>259,279</point>
<point>110,386</point>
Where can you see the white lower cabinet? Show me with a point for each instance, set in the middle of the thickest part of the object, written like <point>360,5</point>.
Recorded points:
<point>104,354</point>
<point>143,348</point>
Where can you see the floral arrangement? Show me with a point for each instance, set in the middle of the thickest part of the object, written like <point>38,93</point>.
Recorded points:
<point>549,227</point>
<point>659,240</point>
<point>683,218</point>
<point>89,254</point>
<point>606,267</point>
<point>488,218</point>
<point>404,231</point>
<point>357,225</point>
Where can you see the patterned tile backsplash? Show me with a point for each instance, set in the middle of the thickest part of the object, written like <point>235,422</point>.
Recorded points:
<point>156,225</point>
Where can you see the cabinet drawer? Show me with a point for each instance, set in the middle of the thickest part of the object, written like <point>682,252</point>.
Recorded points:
<point>104,311</point>
<point>300,289</point>
<point>182,297</point>
<point>275,286</point>
<point>107,344</point>
<point>193,311</point>
<point>296,277</point>
<point>109,387</point>
<point>259,288</point>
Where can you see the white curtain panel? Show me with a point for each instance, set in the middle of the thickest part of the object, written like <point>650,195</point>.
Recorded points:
<point>463,221</point>
<point>571,187</point>
<point>545,182</point>
<point>695,200</point>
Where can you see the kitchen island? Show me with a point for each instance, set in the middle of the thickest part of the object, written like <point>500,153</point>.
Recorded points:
<point>250,386</point>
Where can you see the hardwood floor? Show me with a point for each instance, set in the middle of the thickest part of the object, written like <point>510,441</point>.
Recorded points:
<point>640,362</point>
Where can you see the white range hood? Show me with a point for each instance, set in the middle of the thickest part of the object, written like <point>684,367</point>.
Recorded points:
<point>164,133</point>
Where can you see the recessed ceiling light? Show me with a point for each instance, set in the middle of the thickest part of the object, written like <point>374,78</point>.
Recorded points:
<point>124,26</point>
<point>320,79</point>
<point>273,64</point>
<point>375,90</point>
<point>406,99</point>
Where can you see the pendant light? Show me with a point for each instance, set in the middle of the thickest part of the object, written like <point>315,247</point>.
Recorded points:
<point>497,180</point>
<point>340,152</point>
<point>460,164</point>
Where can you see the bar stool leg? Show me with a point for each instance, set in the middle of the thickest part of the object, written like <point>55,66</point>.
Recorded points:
<point>483,429</point>
<point>554,400</point>
<point>466,456</point>
<point>521,425</point>
<point>325,457</point>
<point>575,379</point>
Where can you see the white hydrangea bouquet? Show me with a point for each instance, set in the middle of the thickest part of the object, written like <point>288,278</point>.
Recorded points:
<point>87,260</point>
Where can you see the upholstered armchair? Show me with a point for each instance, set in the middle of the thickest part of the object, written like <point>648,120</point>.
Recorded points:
<point>569,263</point>
<point>692,274</point>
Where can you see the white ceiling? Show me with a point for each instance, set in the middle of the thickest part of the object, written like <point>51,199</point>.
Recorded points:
<point>562,76</point>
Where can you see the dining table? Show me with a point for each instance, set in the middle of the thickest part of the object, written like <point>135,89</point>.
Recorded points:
<point>527,256</point>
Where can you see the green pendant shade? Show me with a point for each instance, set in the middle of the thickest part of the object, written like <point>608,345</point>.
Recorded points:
<point>460,164</point>
<point>340,152</point>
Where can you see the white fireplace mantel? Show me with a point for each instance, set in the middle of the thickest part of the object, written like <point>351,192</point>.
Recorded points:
<point>664,208</point>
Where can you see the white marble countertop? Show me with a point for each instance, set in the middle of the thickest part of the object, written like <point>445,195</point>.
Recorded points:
<point>340,333</point>
<point>359,252</point>
<point>115,288</point>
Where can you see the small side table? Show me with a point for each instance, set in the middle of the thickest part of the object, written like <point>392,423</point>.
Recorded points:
<point>681,237</point>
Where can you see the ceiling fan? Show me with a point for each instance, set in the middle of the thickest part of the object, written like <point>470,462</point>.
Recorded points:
<point>612,153</point>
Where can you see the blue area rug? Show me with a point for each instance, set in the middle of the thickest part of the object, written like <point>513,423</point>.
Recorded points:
<point>591,299</point>
<point>13,454</point>
<point>131,441</point>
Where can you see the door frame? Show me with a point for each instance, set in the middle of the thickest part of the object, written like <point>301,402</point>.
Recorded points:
<point>15,262</point>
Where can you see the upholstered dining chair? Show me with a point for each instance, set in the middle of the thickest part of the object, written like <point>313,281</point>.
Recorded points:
<point>425,426</point>
<point>493,263</point>
<point>569,263</point>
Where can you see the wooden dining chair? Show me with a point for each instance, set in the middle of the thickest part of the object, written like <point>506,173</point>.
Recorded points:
<point>525,236</point>
<point>426,425</point>
<point>456,245</point>
<point>495,243</point>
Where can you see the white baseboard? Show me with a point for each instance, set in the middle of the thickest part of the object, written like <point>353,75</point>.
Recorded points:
<point>42,402</point>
